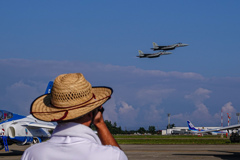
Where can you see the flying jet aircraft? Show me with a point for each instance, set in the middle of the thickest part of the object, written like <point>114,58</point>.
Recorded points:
<point>169,47</point>
<point>23,130</point>
<point>151,55</point>
<point>211,131</point>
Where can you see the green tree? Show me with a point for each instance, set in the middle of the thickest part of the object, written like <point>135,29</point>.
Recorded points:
<point>113,127</point>
<point>141,130</point>
<point>152,129</point>
<point>109,125</point>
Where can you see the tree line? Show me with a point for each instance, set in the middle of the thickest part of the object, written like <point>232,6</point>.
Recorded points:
<point>114,129</point>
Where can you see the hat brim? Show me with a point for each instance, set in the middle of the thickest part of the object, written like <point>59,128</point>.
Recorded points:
<point>42,109</point>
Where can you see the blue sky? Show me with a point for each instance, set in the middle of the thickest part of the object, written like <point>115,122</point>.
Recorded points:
<point>42,39</point>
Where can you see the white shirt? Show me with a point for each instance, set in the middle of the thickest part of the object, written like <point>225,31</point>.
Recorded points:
<point>73,141</point>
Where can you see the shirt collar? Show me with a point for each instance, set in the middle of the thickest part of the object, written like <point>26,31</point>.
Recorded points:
<point>75,130</point>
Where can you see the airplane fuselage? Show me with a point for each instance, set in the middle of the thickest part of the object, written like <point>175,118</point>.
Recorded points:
<point>15,128</point>
<point>153,55</point>
<point>169,47</point>
<point>149,55</point>
<point>197,130</point>
<point>165,48</point>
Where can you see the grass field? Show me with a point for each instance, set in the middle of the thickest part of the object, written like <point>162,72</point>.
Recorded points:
<point>177,139</point>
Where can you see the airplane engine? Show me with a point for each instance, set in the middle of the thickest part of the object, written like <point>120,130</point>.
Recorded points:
<point>12,132</point>
<point>36,140</point>
<point>18,134</point>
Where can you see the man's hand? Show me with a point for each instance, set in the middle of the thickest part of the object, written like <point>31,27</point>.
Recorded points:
<point>103,132</point>
<point>98,119</point>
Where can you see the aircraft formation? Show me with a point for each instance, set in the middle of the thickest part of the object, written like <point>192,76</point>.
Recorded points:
<point>162,50</point>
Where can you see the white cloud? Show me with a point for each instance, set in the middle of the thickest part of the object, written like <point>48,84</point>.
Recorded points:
<point>125,108</point>
<point>178,116</point>
<point>153,114</point>
<point>138,93</point>
<point>18,97</point>
<point>201,113</point>
<point>128,114</point>
<point>199,95</point>
<point>228,108</point>
<point>153,96</point>
<point>110,112</point>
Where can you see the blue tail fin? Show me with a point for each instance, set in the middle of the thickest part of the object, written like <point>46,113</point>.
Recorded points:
<point>49,87</point>
<point>190,125</point>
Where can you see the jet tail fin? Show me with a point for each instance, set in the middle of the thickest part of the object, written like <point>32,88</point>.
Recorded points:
<point>140,52</point>
<point>190,126</point>
<point>49,87</point>
<point>155,45</point>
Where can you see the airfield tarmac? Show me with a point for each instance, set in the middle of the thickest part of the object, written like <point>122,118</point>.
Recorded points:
<point>158,152</point>
<point>182,152</point>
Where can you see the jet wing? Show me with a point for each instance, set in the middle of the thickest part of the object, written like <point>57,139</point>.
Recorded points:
<point>220,129</point>
<point>39,125</point>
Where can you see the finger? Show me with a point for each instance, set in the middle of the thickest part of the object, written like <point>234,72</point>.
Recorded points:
<point>101,109</point>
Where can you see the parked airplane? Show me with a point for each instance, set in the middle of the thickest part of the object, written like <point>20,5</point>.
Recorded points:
<point>169,47</point>
<point>49,87</point>
<point>153,55</point>
<point>211,131</point>
<point>23,130</point>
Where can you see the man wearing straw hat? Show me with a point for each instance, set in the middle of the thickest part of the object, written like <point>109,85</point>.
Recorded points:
<point>75,105</point>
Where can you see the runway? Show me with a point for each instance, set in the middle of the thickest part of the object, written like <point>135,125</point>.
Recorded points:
<point>156,152</point>
<point>182,152</point>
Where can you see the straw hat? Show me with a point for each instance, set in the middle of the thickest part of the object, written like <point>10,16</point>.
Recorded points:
<point>72,96</point>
